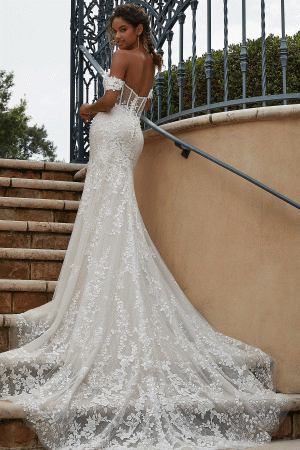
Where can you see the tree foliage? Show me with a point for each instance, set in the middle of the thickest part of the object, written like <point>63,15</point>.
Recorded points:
<point>19,140</point>
<point>254,75</point>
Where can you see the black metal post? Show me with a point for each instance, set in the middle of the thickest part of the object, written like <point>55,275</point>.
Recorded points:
<point>263,49</point>
<point>80,157</point>
<point>209,62</point>
<point>72,82</point>
<point>194,5</point>
<point>181,67</point>
<point>283,51</point>
<point>244,53</point>
<point>225,53</point>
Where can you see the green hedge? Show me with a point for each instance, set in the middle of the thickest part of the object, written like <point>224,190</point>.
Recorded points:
<point>254,88</point>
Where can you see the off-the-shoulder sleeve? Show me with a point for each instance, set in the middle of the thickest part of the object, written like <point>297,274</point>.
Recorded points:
<point>112,83</point>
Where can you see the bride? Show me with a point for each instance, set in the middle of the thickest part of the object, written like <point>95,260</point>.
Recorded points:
<point>120,358</point>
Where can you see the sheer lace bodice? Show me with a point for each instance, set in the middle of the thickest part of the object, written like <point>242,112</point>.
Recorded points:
<point>127,99</point>
<point>120,359</point>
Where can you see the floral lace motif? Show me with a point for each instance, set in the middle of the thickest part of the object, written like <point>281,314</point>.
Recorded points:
<point>120,359</point>
<point>112,83</point>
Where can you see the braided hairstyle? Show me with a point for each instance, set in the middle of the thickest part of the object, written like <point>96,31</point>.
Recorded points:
<point>134,15</point>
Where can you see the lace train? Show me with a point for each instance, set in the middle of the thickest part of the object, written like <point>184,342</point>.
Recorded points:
<point>120,358</point>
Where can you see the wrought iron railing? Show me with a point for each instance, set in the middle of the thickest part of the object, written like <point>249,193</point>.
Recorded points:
<point>187,148</point>
<point>88,28</point>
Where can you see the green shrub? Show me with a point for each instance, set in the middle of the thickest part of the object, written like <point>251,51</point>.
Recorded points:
<point>254,75</point>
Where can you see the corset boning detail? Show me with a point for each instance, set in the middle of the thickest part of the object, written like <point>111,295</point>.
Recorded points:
<point>127,98</point>
<point>130,101</point>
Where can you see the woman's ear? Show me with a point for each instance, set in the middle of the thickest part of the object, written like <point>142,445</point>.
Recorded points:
<point>139,29</point>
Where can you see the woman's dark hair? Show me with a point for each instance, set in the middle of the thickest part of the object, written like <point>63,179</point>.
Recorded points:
<point>134,15</point>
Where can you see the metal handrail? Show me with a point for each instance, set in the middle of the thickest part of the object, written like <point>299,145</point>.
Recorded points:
<point>228,103</point>
<point>92,60</point>
<point>186,148</point>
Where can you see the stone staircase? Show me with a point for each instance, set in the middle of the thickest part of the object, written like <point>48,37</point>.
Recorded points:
<point>38,205</point>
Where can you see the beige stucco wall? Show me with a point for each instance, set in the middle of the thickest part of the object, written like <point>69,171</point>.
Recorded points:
<point>233,248</point>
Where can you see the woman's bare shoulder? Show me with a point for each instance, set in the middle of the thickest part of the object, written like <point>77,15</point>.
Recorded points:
<point>135,68</point>
<point>126,59</point>
<point>119,64</point>
<point>120,57</point>
<point>120,54</point>
<point>127,56</point>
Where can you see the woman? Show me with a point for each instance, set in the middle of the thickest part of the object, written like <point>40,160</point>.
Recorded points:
<point>120,358</point>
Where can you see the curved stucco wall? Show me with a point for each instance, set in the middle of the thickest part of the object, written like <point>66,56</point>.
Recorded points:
<point>233,248</point>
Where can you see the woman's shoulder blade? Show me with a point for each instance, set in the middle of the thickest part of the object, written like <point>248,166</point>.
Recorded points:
<point>135,68</point>
<point>120,54</point>
<point>120,57</point>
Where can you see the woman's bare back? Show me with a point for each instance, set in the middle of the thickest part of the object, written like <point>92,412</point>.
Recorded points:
<point>136,68</point>
<point>140,70</point>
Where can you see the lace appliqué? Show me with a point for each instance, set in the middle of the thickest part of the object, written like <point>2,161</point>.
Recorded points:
<point>120,359</point>
<point>112,83</point>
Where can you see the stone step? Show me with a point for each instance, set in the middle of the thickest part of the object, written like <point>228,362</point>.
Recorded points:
<point>18,296</point>
<point>45,189</point>
<point>30,264</point>
<point>12,426</point>
<point>27,286</point>
<point>16,435</point>
<point>81,174</point>
<point>27,234</point>
<point>42,210</point>
<point>14,168</point>
<point>279,445</point>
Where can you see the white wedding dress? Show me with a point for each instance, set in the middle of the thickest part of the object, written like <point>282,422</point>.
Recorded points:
<point>120,358</point>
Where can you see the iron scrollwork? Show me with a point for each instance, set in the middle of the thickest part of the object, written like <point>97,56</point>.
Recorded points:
<point>88,27</point>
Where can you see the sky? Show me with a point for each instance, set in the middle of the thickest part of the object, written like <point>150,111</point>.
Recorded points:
<point>35,45</point>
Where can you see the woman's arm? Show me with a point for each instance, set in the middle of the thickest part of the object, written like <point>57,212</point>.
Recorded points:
<point>105,103</point>
<point>147,104</point>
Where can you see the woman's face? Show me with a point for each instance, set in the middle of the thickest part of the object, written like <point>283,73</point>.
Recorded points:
<point>125,35</point>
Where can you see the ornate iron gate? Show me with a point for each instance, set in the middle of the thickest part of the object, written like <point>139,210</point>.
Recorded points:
<point>88,29</point>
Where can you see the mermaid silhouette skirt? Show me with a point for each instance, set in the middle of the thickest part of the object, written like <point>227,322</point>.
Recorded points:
<point>120,358</point>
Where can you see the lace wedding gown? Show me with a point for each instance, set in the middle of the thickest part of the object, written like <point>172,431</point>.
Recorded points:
<point>120,358</point>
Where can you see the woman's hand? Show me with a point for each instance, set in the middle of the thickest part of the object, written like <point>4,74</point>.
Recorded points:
<point>85,112</point>
<point>104,104</point>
